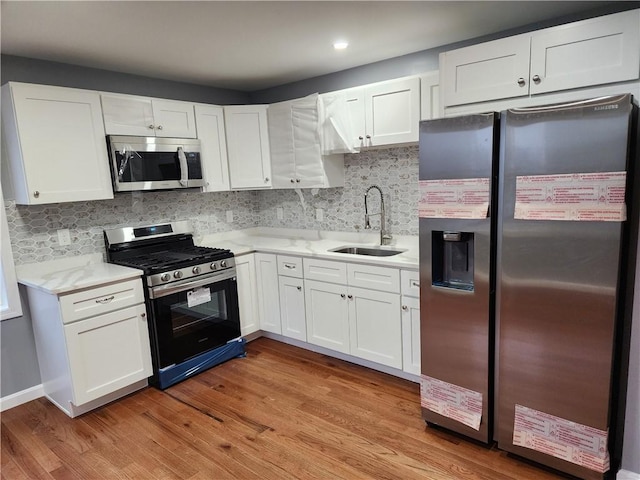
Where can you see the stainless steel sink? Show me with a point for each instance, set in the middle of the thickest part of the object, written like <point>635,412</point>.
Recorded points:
<point>371,251</point>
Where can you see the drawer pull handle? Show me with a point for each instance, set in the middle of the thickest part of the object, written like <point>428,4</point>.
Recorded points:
<point>288,265</point>
<point>106,300</point>
<point>350,297</point>
<point>415,284</point>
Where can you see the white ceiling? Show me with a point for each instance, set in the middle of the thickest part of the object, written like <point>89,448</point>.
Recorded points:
<point>250,46</point>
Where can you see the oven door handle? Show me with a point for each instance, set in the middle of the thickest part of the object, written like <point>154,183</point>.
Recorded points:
<point>164,290</point>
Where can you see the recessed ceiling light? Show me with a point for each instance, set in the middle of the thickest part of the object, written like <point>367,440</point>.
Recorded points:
<point>340,45</point>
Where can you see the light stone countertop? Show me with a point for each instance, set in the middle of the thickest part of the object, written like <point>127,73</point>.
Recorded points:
<point>69,274</point>
<point>316,244</point>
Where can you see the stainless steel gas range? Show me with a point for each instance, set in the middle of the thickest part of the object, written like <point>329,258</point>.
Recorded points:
<point>191,295</point>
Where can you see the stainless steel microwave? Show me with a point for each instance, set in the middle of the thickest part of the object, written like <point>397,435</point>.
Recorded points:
<point>154,163</point>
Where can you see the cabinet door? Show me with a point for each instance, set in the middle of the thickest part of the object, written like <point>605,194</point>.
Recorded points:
<point>247,297</point>
<point>248,146</point>
<point>430,96</point>
<point>487,71</point>
<point>411,335</point>
<point>592,52</point>
<point>375,326</point>
<point>213,147</point>
<point>392,112</point>
<point>292,313</point>
<point>327,315</point>
<point>108,352</point>
<point>55,141</point>
<point>355,106</point>
<point>268,297</point>
<point>127,115</point>
<point>174,119</point>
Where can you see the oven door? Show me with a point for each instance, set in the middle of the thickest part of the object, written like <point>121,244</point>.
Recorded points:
<point>194,316</point>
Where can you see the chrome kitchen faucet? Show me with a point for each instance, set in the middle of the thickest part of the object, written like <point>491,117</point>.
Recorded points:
<point>385,237</point>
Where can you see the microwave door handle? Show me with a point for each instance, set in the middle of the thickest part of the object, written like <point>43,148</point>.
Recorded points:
<point>184,168</point>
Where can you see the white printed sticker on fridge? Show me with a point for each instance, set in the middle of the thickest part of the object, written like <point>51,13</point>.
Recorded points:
<point>451,401</point>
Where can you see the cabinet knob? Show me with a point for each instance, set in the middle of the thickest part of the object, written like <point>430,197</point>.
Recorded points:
<point>368,137</point>
<point>360,137</point>
<point>143,315</point>
<point>292,180</point>
<point>297,180</point>
<point>151,127</point>
<point>342,295</point>
<point>536,79</point>
<point>36,194</point>
<point>299,288</point>
<point>350,297</point>
<point>521,82</point>
<point>405,308</point>
<point>159,127</point>
<point>266,180</point>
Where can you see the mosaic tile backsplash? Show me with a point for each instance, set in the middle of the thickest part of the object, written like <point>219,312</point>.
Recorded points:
<point>33,229</point>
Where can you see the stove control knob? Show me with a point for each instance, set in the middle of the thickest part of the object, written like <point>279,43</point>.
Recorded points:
<point>223,263</point>
<point>213,266</point>
<point>177,274</point>
<point>196,270</point>
<point>165,277</point>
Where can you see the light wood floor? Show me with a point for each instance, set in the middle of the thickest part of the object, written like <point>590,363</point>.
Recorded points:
<point>280,413</point>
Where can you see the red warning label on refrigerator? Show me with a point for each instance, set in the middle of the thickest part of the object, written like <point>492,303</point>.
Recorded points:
<point>573,196</point>
<point>454,198</point>
<point>451,401</point>
<point>560,438</point>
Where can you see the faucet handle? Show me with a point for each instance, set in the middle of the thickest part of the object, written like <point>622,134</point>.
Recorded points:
<point>367,223</point>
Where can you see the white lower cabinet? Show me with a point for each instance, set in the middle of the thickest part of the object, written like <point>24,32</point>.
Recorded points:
<point>374,326</point>
<point>247,294</point>
<point>93,345</point>
<point>108,352</point>
<point>410,286</point>
<point>268,296</point>
<point>327,315</point>
<point>292,309</point>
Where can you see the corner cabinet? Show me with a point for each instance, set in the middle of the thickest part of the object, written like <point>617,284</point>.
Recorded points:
<point>296,153</point>
<point>213,147</point>
<point>591,52</point>
<point>93,344</point>
<point>248,146</point>
<point>385,113</point>
<point>55,141</point>
<point>150,117</point>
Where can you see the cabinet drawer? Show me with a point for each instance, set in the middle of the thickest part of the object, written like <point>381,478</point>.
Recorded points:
<point>377,278</point>
<point>325,270</point>
<point>290,266</point>
<point>410,282</point>
<point>96,301</point>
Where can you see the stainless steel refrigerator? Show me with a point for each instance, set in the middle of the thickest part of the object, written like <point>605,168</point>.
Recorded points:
<point>553,381</point>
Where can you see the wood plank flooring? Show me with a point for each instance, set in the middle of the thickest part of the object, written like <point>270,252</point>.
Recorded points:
<point>280,413</point>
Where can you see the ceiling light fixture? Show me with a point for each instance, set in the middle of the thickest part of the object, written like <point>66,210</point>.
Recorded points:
<point>340,45</point>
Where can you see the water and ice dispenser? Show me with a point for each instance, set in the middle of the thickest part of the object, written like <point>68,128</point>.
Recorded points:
<point>452,259</point>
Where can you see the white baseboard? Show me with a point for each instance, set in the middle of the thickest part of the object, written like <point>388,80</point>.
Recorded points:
<point>21,397</point>
<point>627,475</point>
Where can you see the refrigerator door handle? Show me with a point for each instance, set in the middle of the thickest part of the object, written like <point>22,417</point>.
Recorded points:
<point>451,236</point>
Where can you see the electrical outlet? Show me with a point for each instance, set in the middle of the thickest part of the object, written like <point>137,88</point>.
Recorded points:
<point>319,214</point>
<point>64,237</point>
<point>229,216</point>
<point>280,213</point>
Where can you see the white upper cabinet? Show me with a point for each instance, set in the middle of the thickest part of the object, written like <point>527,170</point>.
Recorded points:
<point>295,147</point>
<point>248,146</point>
<point>142,116</point>
<point>430,96</point>
<point>385,113</point>
<point>213,147</point>
<point>591,52</point>
<point>55,142</point>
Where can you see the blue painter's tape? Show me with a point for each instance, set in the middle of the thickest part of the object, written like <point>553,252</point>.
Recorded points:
<point>176,373</point>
